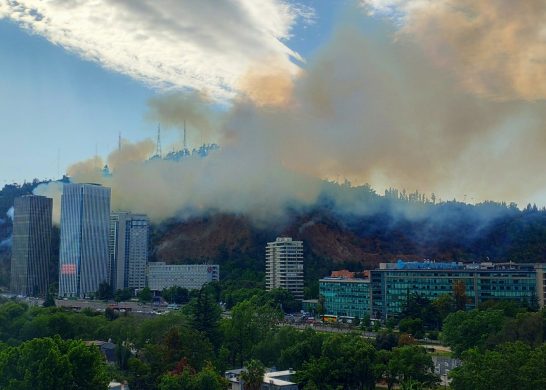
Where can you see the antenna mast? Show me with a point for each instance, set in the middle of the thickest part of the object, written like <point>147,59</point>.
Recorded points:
<point>185,144</point>
<point>158,143</point>
<point>119,141</point>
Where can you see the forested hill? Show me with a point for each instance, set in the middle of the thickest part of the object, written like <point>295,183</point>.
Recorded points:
<point>350,227</point>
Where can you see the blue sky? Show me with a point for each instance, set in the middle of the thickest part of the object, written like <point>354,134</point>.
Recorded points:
<point>417,97</point>
<point>57,108</point>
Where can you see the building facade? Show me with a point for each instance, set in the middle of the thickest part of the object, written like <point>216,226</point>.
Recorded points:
<point>85,225</point>
<point>385,292</point>
<point>189,276</point>
<point>31,247</point>
<point>346,297</point>
<point>129,237</point>
<point>284,266</point>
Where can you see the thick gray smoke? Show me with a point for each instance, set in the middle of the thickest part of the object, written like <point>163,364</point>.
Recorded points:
<point>365,108</point>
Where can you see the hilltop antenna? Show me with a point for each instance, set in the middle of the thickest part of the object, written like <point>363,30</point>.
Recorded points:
<point>185,143</point>
<point>119,141</point>
<point>158,143</point>
<point>58,162</point>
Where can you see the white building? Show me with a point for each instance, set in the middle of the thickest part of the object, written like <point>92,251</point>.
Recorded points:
<point>284,266</point>
<point>273,380</point>
<point>190,276</point>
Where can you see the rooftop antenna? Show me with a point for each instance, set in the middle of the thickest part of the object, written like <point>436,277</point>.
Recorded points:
<point>158,143</point>
<point>58,162</point>
<point>185,143</point>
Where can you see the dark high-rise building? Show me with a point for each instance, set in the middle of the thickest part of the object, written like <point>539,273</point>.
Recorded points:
<point>31,248</point>
<point>128,250</point>
<point>85,225</point>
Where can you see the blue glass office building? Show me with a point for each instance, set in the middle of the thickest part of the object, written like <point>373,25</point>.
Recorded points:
<point>389,286</point>
<point>85,224</point>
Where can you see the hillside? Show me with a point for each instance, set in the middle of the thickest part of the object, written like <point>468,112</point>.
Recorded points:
<point>349,227</point>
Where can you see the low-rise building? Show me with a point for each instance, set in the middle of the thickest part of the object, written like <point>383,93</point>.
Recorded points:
<point>190,276</point>
<point>346,297</point>
<point>273,380</point>
<point>385,292</point>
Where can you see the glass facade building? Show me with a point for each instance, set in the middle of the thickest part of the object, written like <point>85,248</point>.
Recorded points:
<point>128,250</point>
<point>346,297</point>
<point>83,254</point>
<point>390,285</point>
<point>31,248</point>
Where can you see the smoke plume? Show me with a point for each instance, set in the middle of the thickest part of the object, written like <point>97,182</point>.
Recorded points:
<point>366,108</point>
<point>495,48</point>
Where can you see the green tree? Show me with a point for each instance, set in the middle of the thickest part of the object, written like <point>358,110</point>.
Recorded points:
<point>249,324</point>
<point>49,299</point>
<point>105,291</point>
<point>502,368</point>
<point>405,365</point>
<point>346,361</point>
<point>206,316</point>
<point>464,330</point>
<point>51,363</point>
<point>145,295</point>
<point>253,375</point>
<point>123,295</point>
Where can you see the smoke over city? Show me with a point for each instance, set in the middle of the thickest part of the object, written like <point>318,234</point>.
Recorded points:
<point>379,105</point>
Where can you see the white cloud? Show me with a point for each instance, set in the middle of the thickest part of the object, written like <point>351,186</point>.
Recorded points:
<point>208,45</point>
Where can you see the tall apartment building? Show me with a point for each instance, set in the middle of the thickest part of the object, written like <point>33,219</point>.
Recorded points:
<point>31,249</point>
<point>85,226</point>
<point>190,276</point>
<point>284,266</point>
<point>128,250</point>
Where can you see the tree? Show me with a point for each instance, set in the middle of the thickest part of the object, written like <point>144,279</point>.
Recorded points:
<point>253,375</point>
<point>52,363</point>
<point>464,330</point>
<point>414,326</point>
<point>176,295</point>
<point>145,295</point>
<point>105,291</point>
<point>386,340</point>
<point>459,294</point>
<point>49,300</point>
<point>406,365</point>
<point>345,360</point>
<point>249,324</point>
<point>123,295</point>
<point>206,316</point>
<point>508,366</point>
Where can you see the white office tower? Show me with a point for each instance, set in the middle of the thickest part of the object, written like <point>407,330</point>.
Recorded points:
<point>85,224</point>
<point>284,266</point>
<point>128,250</point>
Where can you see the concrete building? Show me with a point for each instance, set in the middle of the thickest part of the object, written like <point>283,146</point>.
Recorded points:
<point>273,380</point>
<point>85,225</point>
<point>128,250</point>
<point>190,276</point>
<point>31,247</point>
<point>284,266</point>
